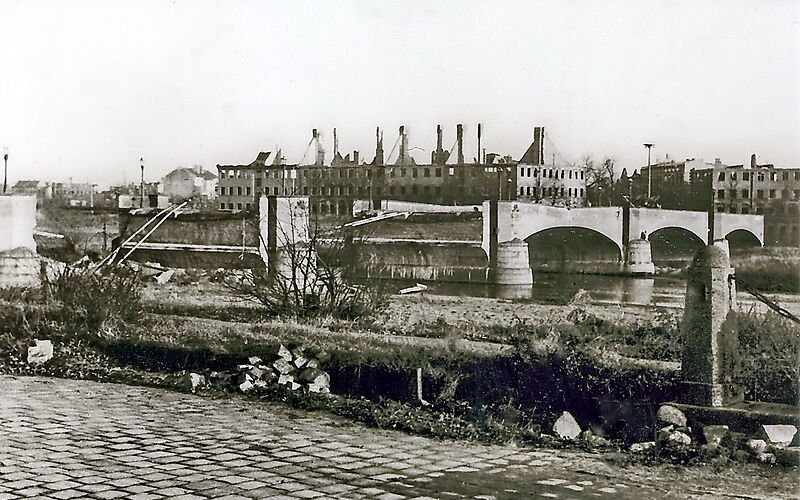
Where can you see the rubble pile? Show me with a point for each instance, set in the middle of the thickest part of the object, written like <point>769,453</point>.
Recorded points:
<point>294,369</point>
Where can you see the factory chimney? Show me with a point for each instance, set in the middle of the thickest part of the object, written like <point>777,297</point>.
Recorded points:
<point>479,145</point>
<point>335,143</point>
<point>378,147</point>
<point>320,153</point>
<point>437,156</point>
<point>401,158</point>
<point>460,141</point>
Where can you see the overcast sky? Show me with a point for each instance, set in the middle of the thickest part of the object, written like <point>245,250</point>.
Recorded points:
<point>88,87</point>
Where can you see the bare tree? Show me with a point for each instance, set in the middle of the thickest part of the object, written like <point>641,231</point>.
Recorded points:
<point>311,271</point>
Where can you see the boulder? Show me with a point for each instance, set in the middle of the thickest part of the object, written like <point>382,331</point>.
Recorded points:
<point>781,434</point>
<point>714,433</point>
<point>566,427</point>
<point>671,415</point>
<point>581,298</point>
<point>641,447</point>
<point>757,446</point>
<point>286,379</point>
<point>673,436</point>
<point>41,353</point>
<point>254,360</point>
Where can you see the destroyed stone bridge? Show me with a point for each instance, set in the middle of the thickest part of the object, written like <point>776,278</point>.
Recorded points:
<point>508,225</point>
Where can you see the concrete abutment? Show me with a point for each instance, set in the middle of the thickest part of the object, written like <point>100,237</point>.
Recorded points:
<point>19,263</point>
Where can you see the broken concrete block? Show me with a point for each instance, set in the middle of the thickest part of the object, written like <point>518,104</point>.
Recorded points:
<point>254,360</point>
<point>245,386</point>
<point>299,361</point>
<point>196,381</point>
<point>312,364</point>
<point>757,445</point>
<point>284,353</point>
<point>164,277</point>
<point>671,415</point>
<point>41,353</point>
<point>294,386</point>
<point>256,372</point>
<point>767,458</point>
<point>714,433</point>
<point>566,427</point>
<point>640,447</point>
<point>782,434</point>
<point>283,366</point>
<point>285,379</point>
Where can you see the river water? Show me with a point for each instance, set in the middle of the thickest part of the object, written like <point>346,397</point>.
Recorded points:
<point>559,288</point>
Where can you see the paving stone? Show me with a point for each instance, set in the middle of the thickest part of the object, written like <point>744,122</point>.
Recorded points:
<point>130,442</point>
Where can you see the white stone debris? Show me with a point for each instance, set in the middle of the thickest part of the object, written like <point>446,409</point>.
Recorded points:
<point>164,277</point>
<point>566,427</point>
<point>767,458</point>
<point>197,381</point>
<point>715,433</point>
<point>284,353</point>
<point>781,434</point>
<point>41,353</point>
<point>758,446</point>
<point>254,360</point>
<point>640,447</point>
<point>283,366</point>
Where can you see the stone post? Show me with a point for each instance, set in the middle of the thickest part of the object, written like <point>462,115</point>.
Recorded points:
<point>710,360</point>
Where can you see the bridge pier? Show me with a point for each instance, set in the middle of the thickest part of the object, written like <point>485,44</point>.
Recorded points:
<point>513,264</point>
<point>639,257</point>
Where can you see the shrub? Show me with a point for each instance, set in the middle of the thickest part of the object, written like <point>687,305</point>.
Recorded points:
<point>86,301</point>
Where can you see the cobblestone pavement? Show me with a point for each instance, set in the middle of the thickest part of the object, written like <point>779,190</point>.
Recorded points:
<point>76,439</point>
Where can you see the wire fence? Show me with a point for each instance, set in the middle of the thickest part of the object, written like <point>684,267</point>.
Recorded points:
<point>742,285</point>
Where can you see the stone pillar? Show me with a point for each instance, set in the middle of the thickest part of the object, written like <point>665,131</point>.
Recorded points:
<point>638,258</point>
<point>513,265</point>
<point>710,358</point>
<point>285,228</point>
<point>19,265</point>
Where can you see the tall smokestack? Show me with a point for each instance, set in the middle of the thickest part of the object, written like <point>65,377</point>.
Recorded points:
<point>335,143</point>
<point>320,153</point>
<point>378,147</point>
<point>355,157</point>
<point>401,159</point>
<point>479,144</point>
<point>460,141</point>
<point>538,149</point>
<point>438,143</point>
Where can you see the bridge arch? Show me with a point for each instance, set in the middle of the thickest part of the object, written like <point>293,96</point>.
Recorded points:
<point>572,248</point>
<point>742,238</point>
<point>674,243</point>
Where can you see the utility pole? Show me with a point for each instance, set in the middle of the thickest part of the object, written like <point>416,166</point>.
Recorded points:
<point>649,170</point>
<point>5,170</point>
<point>141,160</point>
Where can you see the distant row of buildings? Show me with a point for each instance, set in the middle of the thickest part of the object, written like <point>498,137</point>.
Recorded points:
<point>448,179</point>
<point>178,185</point>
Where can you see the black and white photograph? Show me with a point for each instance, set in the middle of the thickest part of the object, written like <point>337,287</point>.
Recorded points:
<point>400,250</point>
